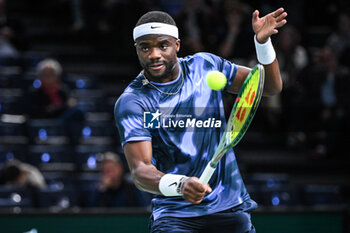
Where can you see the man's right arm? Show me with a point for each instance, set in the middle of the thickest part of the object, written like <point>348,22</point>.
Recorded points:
<point>146,176</point>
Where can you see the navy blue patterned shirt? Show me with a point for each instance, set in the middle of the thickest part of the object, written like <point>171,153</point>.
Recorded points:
<point>185,130</point>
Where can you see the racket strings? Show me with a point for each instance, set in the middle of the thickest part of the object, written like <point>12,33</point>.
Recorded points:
<point>246,103</point>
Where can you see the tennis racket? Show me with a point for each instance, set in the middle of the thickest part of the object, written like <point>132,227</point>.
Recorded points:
<point>240,118</point>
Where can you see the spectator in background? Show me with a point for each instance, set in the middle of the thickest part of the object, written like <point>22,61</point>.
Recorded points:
<point>18,174</point>
<point>51,100</point>
<point>115,189</point>
<point>196,23</point>
<point>326,106</point>
<point>237,31</point>
<point>292,57</point>
<point>77,13</point>
<point>11,38</point>
<point>339,40</point>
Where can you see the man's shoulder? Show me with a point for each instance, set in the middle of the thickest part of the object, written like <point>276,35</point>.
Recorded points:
<point>127,98</point>
<point>135,86</point>
<point>202,57</point>
<point>131,94</point>
<point>135,89</point>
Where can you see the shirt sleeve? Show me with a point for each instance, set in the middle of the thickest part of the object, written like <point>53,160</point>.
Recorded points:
<point>228,68</point>
<point>128,116</point>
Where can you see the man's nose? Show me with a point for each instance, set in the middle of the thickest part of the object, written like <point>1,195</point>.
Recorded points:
<point>155,54</point>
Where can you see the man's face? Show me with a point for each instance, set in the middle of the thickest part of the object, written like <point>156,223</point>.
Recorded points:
<point>158,56</point>
<point>48,77</point>
<point>113,172</point>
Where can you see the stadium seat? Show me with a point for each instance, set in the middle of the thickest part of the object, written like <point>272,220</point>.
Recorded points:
<point>87,156</point>
<point>269,180</point>
<point>12,133</point>
<point>77,81</point>
<point>15,197</point>
<point>30,80</point>
<point>92,104</point>
<point>10,61</point>
<point>99,132</point>
<point>283,195</point>
<point>10,152</point>
<point>47,131</point>
<point>57,198</point>
<point>272,189</point>
<point>87,183</point>
<point>10,78</point>
<point>59,180</point>
<point>51,158</point>
<point>11,102</point>
<point>91,100</point>
<point>318,195</point>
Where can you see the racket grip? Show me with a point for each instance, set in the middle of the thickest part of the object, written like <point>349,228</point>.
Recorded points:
<point>206,175</point>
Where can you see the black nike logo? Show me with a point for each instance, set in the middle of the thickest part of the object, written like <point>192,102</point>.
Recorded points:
<point>154,27</point>
<point>175,183</point>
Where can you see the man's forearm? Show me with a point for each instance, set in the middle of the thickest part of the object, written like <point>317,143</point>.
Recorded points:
<point>146,178</point>
<point>273,81</point>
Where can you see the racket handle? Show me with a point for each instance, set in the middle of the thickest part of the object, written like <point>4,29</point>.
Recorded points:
<point>206,175</point>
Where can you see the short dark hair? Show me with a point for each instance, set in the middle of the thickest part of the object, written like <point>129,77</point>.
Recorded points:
<point>9,174</point>
<point>156,16</point>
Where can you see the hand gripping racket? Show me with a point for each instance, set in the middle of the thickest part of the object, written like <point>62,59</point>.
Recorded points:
<point>240,118</point>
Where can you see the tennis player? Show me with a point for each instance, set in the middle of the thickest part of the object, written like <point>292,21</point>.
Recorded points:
<point>170,123</point>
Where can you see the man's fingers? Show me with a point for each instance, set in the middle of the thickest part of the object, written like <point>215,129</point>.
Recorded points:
<point>255,15</point>
<point>280,24</point>
<point>192,185</point>
<point>194,191</point>
<point>281,17</point>
<point>208,189</point>
<point>193,197</point>
<point>193,200</point>
<point>277,12</point>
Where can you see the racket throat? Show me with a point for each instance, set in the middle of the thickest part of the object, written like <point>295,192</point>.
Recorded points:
<point>217,158</point>
<point>213,165</point>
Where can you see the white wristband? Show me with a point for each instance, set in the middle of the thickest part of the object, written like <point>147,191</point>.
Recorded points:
<point>170,184</point>
<point>265,52</point>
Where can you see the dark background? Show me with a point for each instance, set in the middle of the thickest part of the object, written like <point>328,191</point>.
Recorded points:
<point>295,153</point>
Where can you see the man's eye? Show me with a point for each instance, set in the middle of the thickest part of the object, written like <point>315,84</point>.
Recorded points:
<point>144,49</point>
<point>164,46</point>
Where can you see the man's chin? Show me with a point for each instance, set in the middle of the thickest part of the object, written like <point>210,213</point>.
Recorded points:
<point>157,75</point>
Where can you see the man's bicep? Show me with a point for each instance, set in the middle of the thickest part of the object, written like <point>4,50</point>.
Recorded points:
<point>145,175</point>
<point>129,117</point>
<point>138,152</point>
<point>241,75</point>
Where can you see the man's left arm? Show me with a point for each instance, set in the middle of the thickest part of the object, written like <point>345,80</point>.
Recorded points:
<point>264,27</point>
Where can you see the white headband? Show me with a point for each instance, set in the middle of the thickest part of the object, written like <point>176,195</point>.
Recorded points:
<point>156,28</point>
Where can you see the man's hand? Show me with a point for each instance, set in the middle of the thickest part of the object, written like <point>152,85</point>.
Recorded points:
<point>193,191</point>
<point>266,26</point>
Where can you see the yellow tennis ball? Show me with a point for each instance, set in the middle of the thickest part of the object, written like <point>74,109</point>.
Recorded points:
<point>216,80</point>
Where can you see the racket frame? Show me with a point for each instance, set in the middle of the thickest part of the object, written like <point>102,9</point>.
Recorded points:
<point>225,142</point>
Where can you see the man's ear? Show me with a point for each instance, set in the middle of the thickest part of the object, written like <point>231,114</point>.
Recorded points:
<point>177,44</point>
<point>135,44</point>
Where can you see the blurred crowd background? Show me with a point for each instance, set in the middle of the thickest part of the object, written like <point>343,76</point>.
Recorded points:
<point>63,64</point>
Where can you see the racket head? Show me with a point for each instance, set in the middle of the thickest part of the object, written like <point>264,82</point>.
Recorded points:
<point>245,106</point>
<point>243,111</point>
